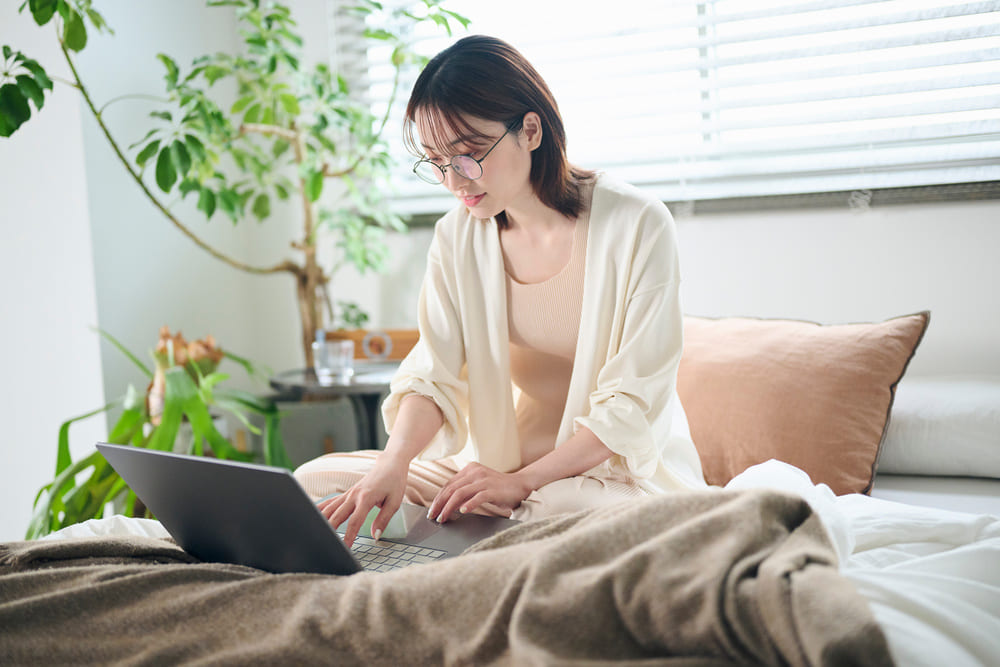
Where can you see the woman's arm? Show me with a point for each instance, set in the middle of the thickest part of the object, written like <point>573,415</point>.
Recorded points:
<point>476,484</point>
<point>418,420</point>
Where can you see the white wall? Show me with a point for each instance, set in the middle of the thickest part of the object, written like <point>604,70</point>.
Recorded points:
<point>51,360</point>
<point>837,266</point>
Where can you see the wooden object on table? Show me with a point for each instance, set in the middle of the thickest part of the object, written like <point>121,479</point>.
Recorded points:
<point>372,343</point>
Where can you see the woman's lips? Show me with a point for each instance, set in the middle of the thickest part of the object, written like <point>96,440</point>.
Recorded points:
<point>472,201</point>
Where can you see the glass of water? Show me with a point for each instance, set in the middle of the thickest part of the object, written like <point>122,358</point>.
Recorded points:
<point>333,361</point>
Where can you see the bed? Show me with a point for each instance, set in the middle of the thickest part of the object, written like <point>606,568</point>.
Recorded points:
<point>853,519</point>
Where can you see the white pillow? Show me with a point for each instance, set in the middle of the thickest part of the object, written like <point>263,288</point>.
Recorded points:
<point>948,425</point>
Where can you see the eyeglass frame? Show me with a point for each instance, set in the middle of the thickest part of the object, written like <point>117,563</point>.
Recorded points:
<point>441,168</point>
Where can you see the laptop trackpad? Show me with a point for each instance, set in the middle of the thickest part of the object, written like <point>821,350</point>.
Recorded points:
<point>410,525</point>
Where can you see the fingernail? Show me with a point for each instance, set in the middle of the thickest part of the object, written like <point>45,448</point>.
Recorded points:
<point>376,534</point>
<point>463,510</point>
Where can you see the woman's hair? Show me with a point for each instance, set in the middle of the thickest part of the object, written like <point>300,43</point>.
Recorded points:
<point>484,77</point>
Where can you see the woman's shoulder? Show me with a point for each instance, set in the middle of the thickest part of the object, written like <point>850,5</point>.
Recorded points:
<point>620,202</point>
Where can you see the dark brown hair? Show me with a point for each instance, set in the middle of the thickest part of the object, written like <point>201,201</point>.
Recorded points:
<point>484,77</point>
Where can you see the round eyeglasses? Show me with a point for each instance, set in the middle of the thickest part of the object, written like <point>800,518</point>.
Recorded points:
<point>465,166</point>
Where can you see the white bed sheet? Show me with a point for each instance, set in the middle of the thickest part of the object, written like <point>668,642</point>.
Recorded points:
<point>931,576</point>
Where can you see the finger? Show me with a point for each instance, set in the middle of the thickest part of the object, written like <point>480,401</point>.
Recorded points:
<point>389,508</point>
<point>331,505</point>
<point>457,499</point>
<point>442,498</point>
<point>473,503</point>
<point>341,513</point>
<point>355,522</point>
<point>460,479</point>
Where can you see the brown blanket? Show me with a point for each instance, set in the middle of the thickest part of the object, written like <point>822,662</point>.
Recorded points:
<point>702,578</point>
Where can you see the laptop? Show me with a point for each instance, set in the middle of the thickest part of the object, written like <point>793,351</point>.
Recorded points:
<point>260,516</point>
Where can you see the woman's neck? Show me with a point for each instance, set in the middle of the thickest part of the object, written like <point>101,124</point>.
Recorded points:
<point>533,217</point>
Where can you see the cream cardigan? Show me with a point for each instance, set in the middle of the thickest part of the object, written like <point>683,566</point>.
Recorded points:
<point>623,386</point>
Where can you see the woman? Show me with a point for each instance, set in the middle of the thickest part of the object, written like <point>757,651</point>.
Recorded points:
<point>550,328</point>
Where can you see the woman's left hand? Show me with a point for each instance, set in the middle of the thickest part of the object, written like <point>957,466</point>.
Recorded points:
<point>474,485</point>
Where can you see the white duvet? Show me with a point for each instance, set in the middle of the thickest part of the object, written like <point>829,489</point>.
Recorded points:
<point>932,577</point>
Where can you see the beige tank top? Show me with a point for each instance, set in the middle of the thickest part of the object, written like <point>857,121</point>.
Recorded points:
<point>544,322</point>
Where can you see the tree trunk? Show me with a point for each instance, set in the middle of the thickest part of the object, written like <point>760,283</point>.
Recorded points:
<point>307,285</point>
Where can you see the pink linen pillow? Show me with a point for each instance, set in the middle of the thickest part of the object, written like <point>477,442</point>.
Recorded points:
<point>815,396</point>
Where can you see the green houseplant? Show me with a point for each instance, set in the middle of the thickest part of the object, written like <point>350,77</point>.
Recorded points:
<point>295,132</point>
<point>183,391</point>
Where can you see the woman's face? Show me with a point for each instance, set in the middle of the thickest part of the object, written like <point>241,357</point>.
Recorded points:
<point>505,183</point>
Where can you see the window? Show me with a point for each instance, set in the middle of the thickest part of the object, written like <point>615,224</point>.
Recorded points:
<point>701,101</point>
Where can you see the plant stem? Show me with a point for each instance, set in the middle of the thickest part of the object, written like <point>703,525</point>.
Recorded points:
<point>133,96</point>
<point>258,128</point>
<point>286,265</point>
<point>310,279</point>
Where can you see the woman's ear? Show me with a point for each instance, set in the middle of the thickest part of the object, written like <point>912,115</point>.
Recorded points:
<point>532,129</point>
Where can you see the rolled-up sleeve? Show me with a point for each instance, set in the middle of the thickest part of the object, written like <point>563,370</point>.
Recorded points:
<point>631,405</point>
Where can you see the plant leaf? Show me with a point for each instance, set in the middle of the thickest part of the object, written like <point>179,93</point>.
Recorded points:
<point>458,17</point>
<point>257,404</point>
<point>378,33</point>
<point>37,71</point>
<point>289,103</point>
<point>42,10</point>
<point>180,157</point>
<point>206,202</point>
<point>195,148</point>
<point>241,104</point>
<point>147,152</point>
<point>74,31</point>
<point>236,410</point>
<point>202,427</point>
<point>172,70</point>
<point>14,109</point>
<point>253,114</point>
<point>314,185</point>
<point>124,350</point>
<point>31,90</point>
<point>63,459</point>
<point>179,389</point>
<point>42,521</point>
<point>247,365</point>
<point>262,206</point>
<point>130,421</point>
<point>144,138</point>
<point>166,176</point>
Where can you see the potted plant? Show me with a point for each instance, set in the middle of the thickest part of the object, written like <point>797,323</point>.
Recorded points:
<point>184,393</point>
<point>291,132</point>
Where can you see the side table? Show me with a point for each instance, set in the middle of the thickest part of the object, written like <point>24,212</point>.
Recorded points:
<point>364,390</point>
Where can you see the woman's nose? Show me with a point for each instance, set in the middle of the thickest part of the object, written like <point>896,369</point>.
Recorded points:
<point>456,178</point>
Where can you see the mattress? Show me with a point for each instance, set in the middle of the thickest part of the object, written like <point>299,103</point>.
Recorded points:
<point>977,495</point>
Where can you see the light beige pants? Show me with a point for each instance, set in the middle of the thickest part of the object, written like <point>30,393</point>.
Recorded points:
<point>335,473</point>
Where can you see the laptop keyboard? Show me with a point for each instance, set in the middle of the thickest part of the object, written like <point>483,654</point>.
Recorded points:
<point>382,556</point>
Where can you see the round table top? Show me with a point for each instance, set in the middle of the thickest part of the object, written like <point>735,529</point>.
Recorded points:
<point>370,377</point>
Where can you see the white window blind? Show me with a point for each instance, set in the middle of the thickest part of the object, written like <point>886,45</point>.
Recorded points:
<point>739,98</point>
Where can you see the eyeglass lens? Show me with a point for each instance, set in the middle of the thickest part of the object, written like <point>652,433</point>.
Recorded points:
<point>464,165</point>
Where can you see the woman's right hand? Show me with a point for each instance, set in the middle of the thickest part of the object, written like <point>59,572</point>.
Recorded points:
<point>382,487</point>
